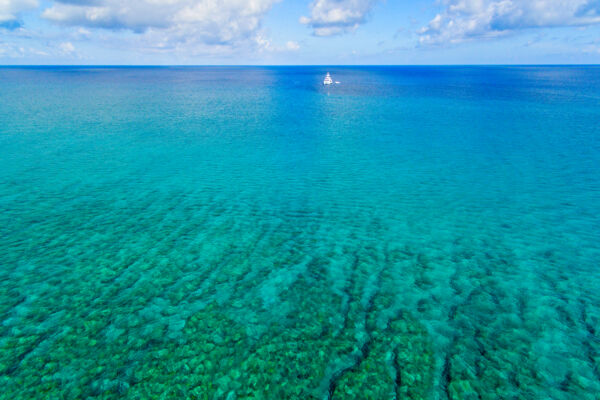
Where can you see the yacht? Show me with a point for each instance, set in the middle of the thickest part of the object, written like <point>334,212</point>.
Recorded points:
<point>327,80</point>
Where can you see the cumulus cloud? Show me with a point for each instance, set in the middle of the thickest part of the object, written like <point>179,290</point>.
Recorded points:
<point>292,46</point>
<point>212,22</point>
<point>334,17</point>
<point>10,10</point>
<point>469,19</point>
<point>66,48</point>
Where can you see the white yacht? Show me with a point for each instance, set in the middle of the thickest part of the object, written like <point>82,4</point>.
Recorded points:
<point>327,80</point>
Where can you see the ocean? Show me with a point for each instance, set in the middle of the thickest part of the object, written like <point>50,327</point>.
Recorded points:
<point>249,233</point>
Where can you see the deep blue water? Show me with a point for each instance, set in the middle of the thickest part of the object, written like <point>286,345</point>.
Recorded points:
<point>246,232</point>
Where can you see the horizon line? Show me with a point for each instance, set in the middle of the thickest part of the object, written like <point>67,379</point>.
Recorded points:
<point>290,65</point>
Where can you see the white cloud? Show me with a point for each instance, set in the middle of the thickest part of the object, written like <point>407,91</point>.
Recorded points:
<point>469,19</point>
<point>168,22</point>
<point>66,48</point>
<point>334,17</point>
<point>292,46</point>
<point>17,51</point>
<point>263,44</point>
<point>10,9</point>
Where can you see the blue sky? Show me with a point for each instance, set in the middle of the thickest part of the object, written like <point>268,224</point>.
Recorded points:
<point>299,32</point>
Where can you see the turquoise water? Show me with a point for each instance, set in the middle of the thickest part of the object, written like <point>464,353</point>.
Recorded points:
<point>247,233</point>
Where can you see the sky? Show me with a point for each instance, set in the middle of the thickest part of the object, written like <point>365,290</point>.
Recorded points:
<point>299,32</point>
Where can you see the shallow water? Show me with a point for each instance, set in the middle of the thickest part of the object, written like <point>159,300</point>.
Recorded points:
<point>414,232</point>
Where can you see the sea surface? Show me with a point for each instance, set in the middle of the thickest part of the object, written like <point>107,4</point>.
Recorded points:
<point>248,233</point>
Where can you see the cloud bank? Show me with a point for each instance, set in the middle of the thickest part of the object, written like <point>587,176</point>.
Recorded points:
<point>464,20</point>
<point>210,22</point>
<point>10,10</point>
<point>334,17</point>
